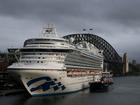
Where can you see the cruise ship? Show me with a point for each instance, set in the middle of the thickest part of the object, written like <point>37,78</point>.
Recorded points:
<point>51,65</point>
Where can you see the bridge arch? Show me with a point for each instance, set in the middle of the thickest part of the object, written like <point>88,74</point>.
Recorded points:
<point>111,57</point>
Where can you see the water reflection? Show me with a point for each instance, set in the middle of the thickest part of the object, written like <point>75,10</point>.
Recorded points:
<point>67,99</point>
<point>44,100</point>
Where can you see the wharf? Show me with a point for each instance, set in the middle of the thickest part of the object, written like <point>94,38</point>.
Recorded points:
<point>11,92</point>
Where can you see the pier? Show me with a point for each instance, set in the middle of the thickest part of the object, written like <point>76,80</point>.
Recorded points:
<point>8,86</point>
<point>11,92</point>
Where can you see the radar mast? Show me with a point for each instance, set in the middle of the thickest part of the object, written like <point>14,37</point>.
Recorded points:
<point>49,31</point>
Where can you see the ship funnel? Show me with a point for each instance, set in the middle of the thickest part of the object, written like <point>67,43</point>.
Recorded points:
<point>49,31</point>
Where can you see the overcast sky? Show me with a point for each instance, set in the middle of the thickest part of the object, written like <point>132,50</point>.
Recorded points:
<point>117,21</point>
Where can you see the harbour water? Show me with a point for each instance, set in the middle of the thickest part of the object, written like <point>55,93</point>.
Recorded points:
<point>124,91</point>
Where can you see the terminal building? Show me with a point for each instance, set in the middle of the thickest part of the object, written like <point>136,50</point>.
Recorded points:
<point>112,61</point>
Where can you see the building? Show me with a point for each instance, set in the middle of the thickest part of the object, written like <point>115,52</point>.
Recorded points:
<point>125,64</point>
<point>3,62</point>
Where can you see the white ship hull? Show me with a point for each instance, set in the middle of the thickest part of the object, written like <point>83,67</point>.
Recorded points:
<point>51,65</point>
<point>51,82</point>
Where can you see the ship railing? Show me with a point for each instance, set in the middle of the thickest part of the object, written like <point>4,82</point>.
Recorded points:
<point>40,46</point>
<point>79,73</point>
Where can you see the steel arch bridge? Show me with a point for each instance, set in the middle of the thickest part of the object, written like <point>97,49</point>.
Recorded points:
<point>111,57</point>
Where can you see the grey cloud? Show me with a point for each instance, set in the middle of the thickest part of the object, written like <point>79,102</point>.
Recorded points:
<point>38,8</point>
<point>120,10</point>
<point>114,20</point>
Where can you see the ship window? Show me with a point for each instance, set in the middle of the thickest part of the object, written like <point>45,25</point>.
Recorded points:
<point>41,61</point>
<point>37,61</point>
<point>45,50</point>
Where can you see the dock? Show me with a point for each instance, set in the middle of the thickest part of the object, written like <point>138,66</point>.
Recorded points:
<point>11,92</point>
<point>8,86</point>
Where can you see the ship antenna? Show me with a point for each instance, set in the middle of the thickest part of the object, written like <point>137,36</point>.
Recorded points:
<point>49,31</point>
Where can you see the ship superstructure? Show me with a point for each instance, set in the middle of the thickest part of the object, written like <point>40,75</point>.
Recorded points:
<point>51,65</point>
